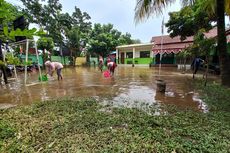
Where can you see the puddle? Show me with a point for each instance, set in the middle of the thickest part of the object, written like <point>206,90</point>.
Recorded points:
<point>130,87</point>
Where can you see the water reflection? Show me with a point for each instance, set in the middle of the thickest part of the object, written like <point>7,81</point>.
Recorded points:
<point>130,87</point>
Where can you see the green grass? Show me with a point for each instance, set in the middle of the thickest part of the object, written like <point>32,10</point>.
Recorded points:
<point>82,125</point>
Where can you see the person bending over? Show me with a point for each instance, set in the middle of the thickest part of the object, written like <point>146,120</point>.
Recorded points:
<point>196,63</point>
<point>52,66</point>
<point>111,67</point>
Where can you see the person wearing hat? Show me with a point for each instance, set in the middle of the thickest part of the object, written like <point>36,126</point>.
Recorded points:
<point>52,66</point>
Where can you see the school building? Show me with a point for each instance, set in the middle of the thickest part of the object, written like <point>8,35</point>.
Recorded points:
<point>149,54</point>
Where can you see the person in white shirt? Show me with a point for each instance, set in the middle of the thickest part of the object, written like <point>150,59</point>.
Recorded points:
<point>52,66</point>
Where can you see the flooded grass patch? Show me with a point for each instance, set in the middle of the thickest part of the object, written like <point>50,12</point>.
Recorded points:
<point>215,95</point>
<point>79,125</point>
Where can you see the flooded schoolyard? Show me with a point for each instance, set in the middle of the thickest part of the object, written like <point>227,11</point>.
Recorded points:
<point>129,87</point>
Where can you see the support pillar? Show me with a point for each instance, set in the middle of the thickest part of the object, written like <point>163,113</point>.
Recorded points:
<point>133,56</point>
<point>117,56</point>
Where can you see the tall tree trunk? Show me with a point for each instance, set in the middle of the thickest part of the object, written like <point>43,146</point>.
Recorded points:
<point>222,44</point>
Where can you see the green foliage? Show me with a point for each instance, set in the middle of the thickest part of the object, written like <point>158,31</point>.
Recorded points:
<point>180,22</point>
<point>11,59</point>
<point>44,78</point>
<point>28,63</point>
<point>185,54</point>
<point>216,96</point>
<point>6,131</point>
<point>104,39</point>
<point>45,43</point>
<point>8,13</point>
<point>81,19</point>
<point>59,26</point>
<point>82,125</point>
<point>2,63</point>
<point>74,36</point>
<point>204,46</point>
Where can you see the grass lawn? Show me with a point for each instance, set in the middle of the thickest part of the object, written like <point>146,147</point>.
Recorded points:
<point>82,125</point>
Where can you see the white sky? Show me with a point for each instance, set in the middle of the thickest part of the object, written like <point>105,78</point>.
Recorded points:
<point>120,13</point>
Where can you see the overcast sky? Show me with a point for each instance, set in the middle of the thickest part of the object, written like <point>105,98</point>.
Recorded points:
<point>120,13</point>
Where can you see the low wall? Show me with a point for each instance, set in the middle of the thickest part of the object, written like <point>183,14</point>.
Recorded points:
<point>80,61</point>
<point>93,61</point>
<point>64,60</point>
<point>139,61</point>
<point>32,58</point>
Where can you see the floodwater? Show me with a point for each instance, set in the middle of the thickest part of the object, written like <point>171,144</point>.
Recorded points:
<point>129,87</point>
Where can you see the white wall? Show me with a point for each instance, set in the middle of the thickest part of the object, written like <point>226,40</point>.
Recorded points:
<point>137,54</point>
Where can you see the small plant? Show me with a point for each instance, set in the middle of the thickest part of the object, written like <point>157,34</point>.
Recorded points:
<point>10,59</point>
<point>2,63</point>
<point>28,63</point>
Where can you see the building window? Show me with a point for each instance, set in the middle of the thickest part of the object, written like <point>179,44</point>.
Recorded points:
<point>144,54</point>
<point>129,55</point>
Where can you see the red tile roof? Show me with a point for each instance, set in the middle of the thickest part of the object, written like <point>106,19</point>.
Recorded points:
<point>168,40</point>
<point>175,44</point>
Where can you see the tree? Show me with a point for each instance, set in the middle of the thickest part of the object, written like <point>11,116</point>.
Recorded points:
<point>144,8</point>
<point>104,39</point>
<point>126,39</point>
<point>8,13</point>
<point>81,19</point>
<point>222,44</point>
<point>74,42</point>
<point>45,43</point>
<point>203,47</point>
<point>180,23</point>
<point>47,14</point>
<point>60,26</point>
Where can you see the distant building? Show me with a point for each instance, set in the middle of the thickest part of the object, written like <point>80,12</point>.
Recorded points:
<point>145,54</point>
<point>135,54</point>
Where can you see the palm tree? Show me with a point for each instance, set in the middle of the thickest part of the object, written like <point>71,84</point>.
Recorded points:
<point>145,8</point>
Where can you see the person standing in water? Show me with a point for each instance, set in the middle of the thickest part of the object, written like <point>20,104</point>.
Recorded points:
<point>52,66</point>
<point>196,64</point>
<point>101,63</point>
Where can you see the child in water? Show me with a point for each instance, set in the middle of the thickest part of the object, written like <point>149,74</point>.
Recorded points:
<point>52,66</point>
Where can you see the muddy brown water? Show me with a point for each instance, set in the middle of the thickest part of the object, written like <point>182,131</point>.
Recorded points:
<point>129,87</point>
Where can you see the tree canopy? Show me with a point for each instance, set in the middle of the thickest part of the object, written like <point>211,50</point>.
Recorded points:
<point>180,22</point>
<point>104,39</point>
<point>48,15</point>
<point>45,43</point>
